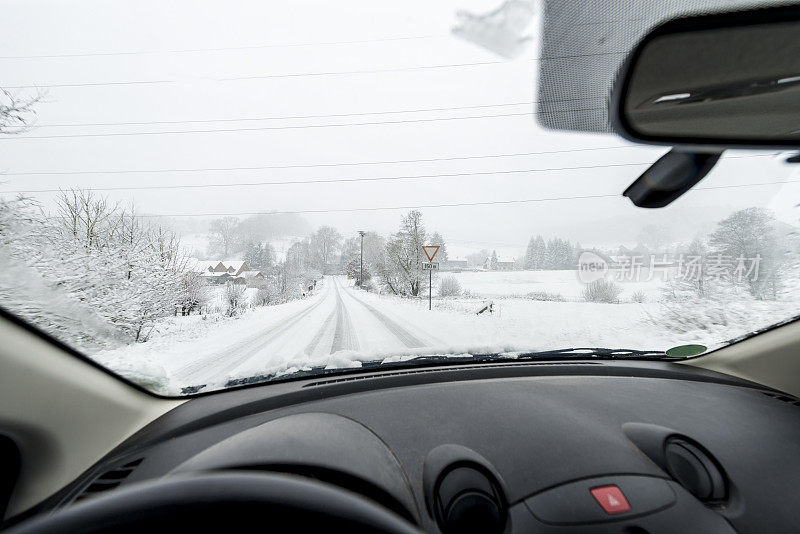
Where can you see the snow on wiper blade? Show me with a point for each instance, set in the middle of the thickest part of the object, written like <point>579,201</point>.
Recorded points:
<point>598,353</point>
<point>580,353</point>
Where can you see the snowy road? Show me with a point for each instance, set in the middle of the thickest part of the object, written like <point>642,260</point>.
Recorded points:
<point>338,319</point>
<point>340,326</point>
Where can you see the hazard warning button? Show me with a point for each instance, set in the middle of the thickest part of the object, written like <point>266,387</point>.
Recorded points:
<point>611,499</point>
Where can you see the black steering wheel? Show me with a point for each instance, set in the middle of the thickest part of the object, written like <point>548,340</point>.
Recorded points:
<point>222,502</point>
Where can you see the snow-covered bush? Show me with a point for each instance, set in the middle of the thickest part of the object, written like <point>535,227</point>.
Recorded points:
<point>546,296</point>
<point>193,293</point>
<point>449,287</point>
<point>691,315</point>
<point>638,297</point>
<point>264,296</point>
<point>310,278</point>
<point>234,297</point>
<point>602,291</point>
<point>89,273</point>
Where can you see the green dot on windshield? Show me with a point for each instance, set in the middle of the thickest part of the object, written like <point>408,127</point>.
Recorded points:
<point>685,351</point>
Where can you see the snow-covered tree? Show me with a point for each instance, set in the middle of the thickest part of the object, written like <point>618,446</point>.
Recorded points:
<point>749,235</point>
<point>193,293</point>
<point>374,260</point>
<point>234,297</point>
<point>351,249</point>
<point>95,276</point>
<point>259,256</point>
<point>493,261</point>
<point>559,254</point>
<point>536,253</point>
<point>692,278</point>
<point>353,270</point>
<point>324,244</point>
<point>223,236</point>
<point>401,271</point>
<point>438,240</point>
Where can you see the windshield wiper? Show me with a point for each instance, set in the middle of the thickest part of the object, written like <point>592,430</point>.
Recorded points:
<point>596,353</point>
<point>573,353</point>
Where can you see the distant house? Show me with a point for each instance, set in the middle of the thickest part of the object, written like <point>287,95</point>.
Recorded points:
<point>203,266</point>
<point>221,272</point>
<point>454,264</point>
<point>216,277</point>
<point>251,278</point>
<point>235,267</point>
<point>503,263</point>
<point>506,263</point>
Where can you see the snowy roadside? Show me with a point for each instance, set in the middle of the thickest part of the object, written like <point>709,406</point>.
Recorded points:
<point>273,341</point>
<point>176,341</point>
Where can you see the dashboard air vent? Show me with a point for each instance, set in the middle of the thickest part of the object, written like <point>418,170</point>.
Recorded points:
<point>109,480</point>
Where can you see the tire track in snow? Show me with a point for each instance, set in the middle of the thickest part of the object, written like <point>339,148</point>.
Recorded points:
<point>243,351</point>
<point>312,346</point>
<point>404,336</point>
<point>345,337</point>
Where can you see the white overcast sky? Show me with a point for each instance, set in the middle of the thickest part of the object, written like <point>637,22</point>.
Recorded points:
<point>198,91</point>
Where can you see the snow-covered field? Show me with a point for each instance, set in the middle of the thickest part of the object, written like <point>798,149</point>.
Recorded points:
<point>341,326</point>
<point>563,282</point>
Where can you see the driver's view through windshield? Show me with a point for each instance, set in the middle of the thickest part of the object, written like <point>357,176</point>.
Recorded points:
<point>202,195</point>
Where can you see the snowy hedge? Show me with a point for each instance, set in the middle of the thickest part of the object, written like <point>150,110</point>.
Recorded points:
<point>90,274</point>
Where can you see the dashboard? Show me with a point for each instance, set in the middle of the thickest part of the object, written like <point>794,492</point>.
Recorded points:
<point>578,446</point>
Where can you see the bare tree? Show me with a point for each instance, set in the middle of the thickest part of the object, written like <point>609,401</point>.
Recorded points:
<point>749,235</point>
<point>92,219</point>
<point>222,235</point>
<point>16,113</point>
<point>404,255</point>
<point>325,243</point>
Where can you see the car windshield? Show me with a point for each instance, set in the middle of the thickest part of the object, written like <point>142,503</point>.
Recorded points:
<point>199,195</point>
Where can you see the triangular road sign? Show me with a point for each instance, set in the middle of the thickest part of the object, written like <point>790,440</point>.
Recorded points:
<point>430,251</point>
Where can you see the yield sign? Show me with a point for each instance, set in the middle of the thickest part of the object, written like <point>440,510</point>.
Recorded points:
<point>430,251</point>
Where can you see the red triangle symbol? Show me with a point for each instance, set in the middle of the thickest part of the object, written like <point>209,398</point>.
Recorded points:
<point>430,251</point>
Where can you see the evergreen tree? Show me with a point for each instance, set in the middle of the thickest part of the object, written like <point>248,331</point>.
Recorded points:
<point>437,239</point>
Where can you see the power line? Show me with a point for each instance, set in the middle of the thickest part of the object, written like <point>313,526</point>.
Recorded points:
<point>308,74</point>
<point>447,205</point>
<point>263,77</point>
<point>218,49</point>
<point>383,208</point>
<point>287,117</point>
<point>264,128</point>
<point>354,180</point>
<point>329,181</point>
<point>288,127</point>
<point>315,165</point>
<point>325,116</point>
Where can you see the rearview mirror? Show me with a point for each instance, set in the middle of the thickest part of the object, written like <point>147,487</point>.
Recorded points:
<point>728,80</point>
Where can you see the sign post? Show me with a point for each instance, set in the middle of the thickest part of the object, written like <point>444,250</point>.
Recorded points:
<point>430,252</point>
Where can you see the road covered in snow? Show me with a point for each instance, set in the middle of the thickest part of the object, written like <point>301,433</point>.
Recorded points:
<point>340,326</point>
<point>337,326</point>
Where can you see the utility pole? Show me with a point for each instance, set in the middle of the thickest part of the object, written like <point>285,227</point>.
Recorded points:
<point>361,275</point>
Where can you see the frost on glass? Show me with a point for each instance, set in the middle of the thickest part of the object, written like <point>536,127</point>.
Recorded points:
<point>502,31</point>
<point>90,275</point>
